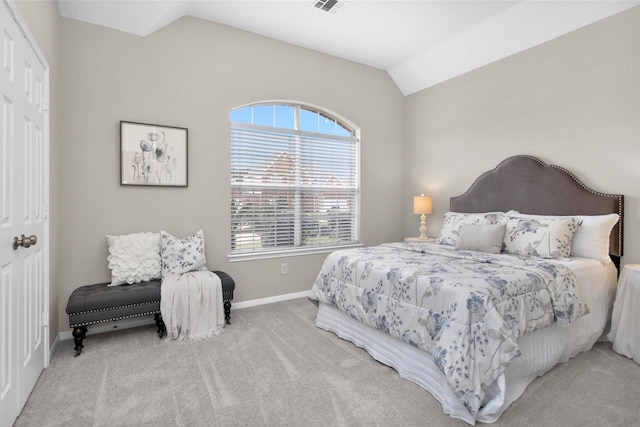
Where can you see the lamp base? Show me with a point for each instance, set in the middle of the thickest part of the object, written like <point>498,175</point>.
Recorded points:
<point>423,228</point>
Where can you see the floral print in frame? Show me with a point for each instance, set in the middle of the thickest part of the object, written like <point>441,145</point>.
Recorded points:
<point>153,155</point>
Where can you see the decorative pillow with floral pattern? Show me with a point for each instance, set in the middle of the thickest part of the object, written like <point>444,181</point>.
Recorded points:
<point>540,237</point>
<point>591,240</point>
<point>450,231</point>
<point>134,258</point>
<point>182,255</point>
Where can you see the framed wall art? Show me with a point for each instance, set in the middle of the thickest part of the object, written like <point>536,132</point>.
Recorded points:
<point>153,155</point>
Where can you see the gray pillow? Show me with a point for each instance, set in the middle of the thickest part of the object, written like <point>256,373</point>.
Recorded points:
<point>483,238</point>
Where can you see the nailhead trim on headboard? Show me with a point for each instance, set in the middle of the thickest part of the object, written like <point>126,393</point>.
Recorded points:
<point>473,195</point>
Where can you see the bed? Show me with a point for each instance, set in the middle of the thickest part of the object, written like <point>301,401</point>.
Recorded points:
<point>521,277</point>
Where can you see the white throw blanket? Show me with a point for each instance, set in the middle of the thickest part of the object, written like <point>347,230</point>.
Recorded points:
<point>191,305</point>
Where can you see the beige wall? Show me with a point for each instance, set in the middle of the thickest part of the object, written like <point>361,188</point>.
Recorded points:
<point>191,74</point>
<point>573,102</point>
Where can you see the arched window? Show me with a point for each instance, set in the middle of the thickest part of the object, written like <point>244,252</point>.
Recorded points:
<point>294,180</point>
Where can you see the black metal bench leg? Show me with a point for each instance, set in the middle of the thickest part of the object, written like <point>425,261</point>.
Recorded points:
<point>227,312</point>
<point>162,329</point>
<point>79,333</point>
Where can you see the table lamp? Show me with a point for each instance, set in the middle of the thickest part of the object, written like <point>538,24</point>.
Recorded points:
<point>422,205</point>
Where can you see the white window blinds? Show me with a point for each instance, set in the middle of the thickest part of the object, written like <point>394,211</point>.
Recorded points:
<point>292,189</point>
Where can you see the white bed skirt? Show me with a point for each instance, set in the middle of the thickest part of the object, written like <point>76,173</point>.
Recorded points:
<point>540,350</point>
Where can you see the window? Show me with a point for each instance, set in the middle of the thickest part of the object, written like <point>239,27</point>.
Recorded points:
<point>294,180</point>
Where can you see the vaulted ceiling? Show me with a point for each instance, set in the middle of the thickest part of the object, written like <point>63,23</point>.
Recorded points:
<point>419,43</point>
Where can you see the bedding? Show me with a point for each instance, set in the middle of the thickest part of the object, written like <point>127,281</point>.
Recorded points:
<point>540,350</point>
<point>476,332</point>
<point>466,308</point>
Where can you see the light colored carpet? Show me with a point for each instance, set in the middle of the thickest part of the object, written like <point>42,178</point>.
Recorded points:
<point>273,367</point>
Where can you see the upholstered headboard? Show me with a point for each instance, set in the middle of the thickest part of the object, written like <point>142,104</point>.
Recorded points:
<point>526,184</point>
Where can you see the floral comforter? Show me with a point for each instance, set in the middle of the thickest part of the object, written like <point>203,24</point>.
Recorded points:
<point>466,308</point>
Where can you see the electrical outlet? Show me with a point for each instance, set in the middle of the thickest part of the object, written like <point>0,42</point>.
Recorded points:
<point>284,268</point>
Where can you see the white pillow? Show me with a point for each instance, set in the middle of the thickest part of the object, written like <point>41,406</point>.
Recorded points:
<point>449,233</point>
<point>182,255</point>
<point>134,258</point>
<point>482,238</point>
<point>542,237</point>
<point>592,237</point>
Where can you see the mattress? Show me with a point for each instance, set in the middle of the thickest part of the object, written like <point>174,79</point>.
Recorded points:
<point>539,350</point>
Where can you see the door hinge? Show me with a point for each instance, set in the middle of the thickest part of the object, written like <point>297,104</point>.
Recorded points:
<point>45,319</point>
<point>45,103</point>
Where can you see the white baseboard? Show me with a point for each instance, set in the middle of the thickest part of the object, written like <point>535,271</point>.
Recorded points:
<point>269,300</point>
<point>147,320</point>
<point>54,347</point>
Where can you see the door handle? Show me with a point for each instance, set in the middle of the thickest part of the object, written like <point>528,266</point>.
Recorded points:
<point>23,241</point>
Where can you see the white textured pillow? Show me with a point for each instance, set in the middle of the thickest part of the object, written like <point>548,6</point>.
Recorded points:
<point>592,237</point>
<point>539,236</point>
<point>449,233</point>
<point>182,255</point>
<point>134,258</point>
<point>483,238</point>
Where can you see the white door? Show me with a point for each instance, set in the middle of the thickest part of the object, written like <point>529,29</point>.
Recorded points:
<point>24,193</point>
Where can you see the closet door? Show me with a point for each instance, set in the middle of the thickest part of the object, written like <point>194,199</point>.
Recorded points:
<point>23,215</point>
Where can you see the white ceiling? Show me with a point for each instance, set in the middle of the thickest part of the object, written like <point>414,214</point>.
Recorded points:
<point>419,43</point>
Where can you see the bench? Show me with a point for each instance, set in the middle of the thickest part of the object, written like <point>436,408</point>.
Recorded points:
<point>99,303</point>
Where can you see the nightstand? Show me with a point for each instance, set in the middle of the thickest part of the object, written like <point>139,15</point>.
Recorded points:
<point>417,239</point>
<point>625,320</point>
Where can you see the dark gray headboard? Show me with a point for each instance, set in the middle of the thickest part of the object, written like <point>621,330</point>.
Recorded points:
<point>528,185</point>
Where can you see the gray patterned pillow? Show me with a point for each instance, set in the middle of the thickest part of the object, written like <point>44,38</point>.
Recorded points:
<point>450,231</point>
<point>182,255</point>
<point>591,240</point>
<point>540,237</point>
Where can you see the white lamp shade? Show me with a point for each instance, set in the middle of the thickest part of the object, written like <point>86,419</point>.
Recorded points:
<point>422,204</point>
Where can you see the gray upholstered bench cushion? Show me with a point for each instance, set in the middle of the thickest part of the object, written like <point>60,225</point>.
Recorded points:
<point>98,303</point>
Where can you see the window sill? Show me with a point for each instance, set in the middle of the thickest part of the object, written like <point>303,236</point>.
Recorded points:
<point>289,253</point>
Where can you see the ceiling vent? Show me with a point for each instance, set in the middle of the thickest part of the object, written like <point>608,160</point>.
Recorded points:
<point>331,6</point>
